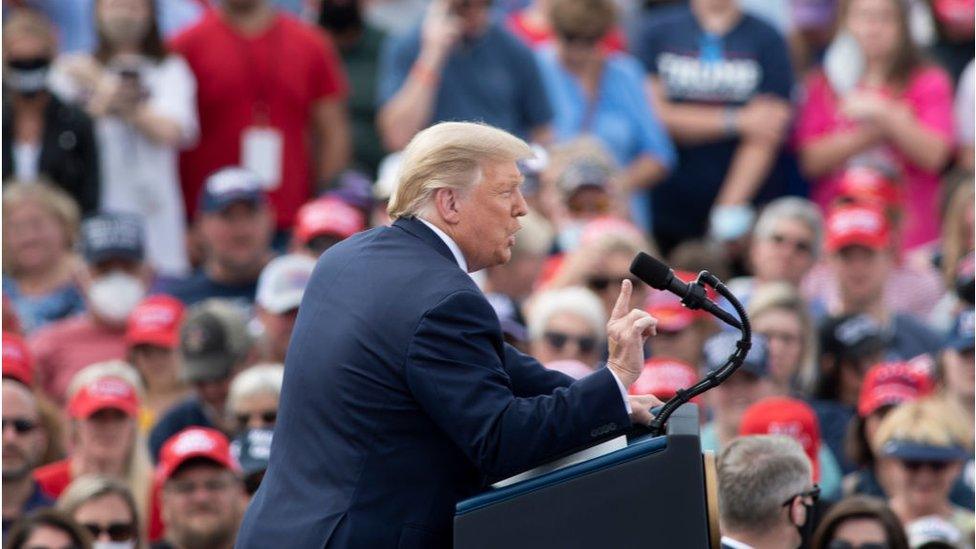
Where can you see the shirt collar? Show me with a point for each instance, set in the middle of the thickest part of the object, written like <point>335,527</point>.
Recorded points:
<point>451,244</point>
<point>734,544</point>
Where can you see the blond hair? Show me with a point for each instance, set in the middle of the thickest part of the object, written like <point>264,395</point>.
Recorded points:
<point>138,475</point>
<point>931,421</point>
<point>449,155</point>
<point>87,488</point>
<point>52,199</point>
<point>954,235</point>
<point>783,296</point>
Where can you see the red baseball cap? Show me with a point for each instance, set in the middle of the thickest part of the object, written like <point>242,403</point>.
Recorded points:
<point>857,225</point>
<point>194,442</point>
<point>104,393</point>
<point>663,377</point>
<point>330,216</point>
<point>785,416</point>
<point>865,185</point>
<point>17,363</point>
<point>608,225</point>
<point>155,321</point>
<point>891,383</point>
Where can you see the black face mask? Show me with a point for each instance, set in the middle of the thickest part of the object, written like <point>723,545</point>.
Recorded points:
<point>338,16</point>
<point>27,77</point>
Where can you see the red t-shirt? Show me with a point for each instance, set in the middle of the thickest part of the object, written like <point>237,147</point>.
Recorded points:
<point>274,78</point>
<point>53,478</point>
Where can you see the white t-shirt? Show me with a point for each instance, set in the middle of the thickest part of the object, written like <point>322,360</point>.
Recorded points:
<point>140,175</point>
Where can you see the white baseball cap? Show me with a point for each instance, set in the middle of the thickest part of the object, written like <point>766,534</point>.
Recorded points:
<point>282,282</point>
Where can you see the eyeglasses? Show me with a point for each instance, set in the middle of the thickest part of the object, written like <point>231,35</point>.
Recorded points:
<point>601,283</point>
<point>844,544</point>
<point>785,337</point>
<point>117,531</point>
<point>21,426</point>
<point>812,493</point>
<point>185,487</point>
<point>558,340</point>
<point>268,417</point>
<point>915,466</point>
<point>802,246</point>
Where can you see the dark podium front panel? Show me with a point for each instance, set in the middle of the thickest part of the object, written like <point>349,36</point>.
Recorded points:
<point>649,494</point>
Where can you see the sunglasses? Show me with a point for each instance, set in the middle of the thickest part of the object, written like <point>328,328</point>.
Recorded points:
<point>21,426</point>
<point>117,531</point>
<point>558,340</point>
<point>802,246</point>
<point>267,417</point>
<point>844,544</point>
<point>915,466</point>
<point>601,283</point>
<point>812,493</point>
<point>580,38</point>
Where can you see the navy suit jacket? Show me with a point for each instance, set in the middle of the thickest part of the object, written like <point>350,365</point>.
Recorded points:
<point>400,398</point>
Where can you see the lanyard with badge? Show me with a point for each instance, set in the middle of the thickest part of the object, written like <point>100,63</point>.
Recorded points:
<point>262,145</point>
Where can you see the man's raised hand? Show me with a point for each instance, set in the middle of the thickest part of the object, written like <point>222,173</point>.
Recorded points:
<point>626,332</point>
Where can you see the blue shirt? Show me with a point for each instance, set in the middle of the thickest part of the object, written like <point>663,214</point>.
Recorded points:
<point>620,116</point>
<point>37,500</point>
<point>696,67</point>
<point>36,311</point>
<point>199,287</point>
<point>493,78</point>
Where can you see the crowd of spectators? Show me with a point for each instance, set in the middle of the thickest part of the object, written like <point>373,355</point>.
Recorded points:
<point>173,168</point>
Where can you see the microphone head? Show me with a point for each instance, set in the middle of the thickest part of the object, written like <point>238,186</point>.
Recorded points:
<point>652,271</point>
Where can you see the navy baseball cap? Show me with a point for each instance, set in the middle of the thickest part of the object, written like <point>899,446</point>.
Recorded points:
<point>110,236</point>
<point>228,186</point>
<point>720,346</point>
<point>962,336</point>
<point>851,336</point>
<point>910,450</point>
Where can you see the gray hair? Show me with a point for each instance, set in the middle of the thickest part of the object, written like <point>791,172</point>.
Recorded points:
<point>575,300</point>
<point>90,487</point>
<point>449,155</point>
<point>756,474</point>
<point>794,208</point>
<point>260,379</point>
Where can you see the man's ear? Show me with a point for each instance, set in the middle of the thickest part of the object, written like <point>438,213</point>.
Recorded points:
<point>447,201</point>
<point>798,512</point>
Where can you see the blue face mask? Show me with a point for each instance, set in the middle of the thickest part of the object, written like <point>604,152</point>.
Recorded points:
<point>730,222</point>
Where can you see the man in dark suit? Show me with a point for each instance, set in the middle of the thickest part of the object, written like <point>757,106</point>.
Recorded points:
<point>400,397</point>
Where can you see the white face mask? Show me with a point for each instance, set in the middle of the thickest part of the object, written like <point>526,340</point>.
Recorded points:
<point>115,295</point>
<point>130,544</point>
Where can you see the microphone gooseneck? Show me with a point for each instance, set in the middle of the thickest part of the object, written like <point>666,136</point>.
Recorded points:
<point>660,276</point>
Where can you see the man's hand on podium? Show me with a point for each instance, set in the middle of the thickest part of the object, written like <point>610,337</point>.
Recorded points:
<point>640,406</point>
<point>626,333</point>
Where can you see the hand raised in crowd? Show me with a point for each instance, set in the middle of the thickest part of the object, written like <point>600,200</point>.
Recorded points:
<point>765,118</point>
<point>626,333</point>
<point>441,30</point>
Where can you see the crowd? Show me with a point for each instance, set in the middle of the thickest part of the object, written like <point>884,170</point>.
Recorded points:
<point>173,168</point>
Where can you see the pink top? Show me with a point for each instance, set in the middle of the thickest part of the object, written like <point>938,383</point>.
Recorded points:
<point>64,347</point>
<point>929,95</point>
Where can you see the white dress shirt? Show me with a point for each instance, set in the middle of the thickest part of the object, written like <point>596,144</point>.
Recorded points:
<point>734,543</point>
<point>459,257</point>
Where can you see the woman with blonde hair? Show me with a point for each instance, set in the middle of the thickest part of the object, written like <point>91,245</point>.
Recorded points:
<point>104,507</point>
<point>921,448</point>
<point>104,402</point>
<point>778,311</point>
<point>40,222</point>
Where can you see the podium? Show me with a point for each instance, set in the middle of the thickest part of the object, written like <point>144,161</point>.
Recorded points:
<point>653,492</point>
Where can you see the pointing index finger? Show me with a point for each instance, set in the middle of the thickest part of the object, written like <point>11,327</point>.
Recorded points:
<point>623,300</point>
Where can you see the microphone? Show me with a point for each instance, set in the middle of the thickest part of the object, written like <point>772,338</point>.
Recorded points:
<point>658,275</point>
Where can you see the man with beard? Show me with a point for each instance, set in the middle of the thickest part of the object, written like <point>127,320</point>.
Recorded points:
<point>202,493</point>
<point>236,224</point>
<point>23,444</point>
